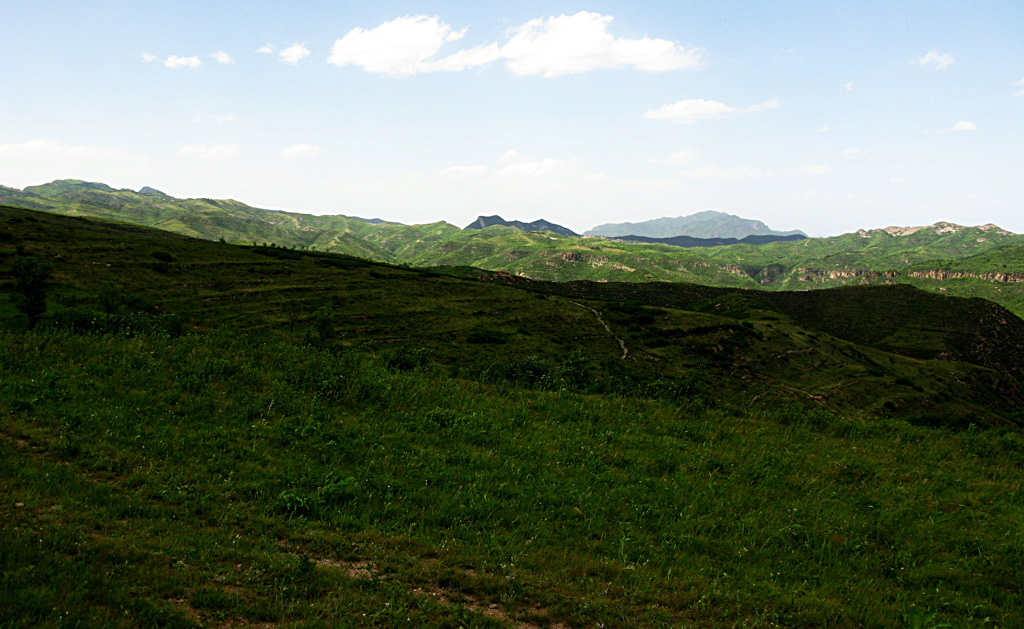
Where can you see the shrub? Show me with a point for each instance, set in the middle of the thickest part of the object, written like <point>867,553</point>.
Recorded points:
<point>493,337</point>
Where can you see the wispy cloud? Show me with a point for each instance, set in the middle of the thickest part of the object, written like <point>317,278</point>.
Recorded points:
<point>294,53</point>
<point>148,57</point>
<point>515,165</point>
<point>1019,84</point>
<point>548,47</point>
<point>405,46</point>
<point>216,152</point>
<point>221,57</point>
<point>266,49</point>
<point>300,151</point>
<point>963,125</point>
<point>175,62</point>
<point>693,110</point>
<point>940,61</point>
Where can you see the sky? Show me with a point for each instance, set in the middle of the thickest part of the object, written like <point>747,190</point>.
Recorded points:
<point>827,117</point>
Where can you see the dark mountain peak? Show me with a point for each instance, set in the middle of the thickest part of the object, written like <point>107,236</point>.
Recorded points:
<point>375,221</point>
<point>153,191</point>
<point>539,225</point>
<point>483,222</point>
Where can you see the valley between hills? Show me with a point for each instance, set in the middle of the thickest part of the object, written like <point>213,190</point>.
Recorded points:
<point>215,415</point>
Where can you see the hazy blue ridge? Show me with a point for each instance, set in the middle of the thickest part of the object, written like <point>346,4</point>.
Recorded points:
<point>706,224</point>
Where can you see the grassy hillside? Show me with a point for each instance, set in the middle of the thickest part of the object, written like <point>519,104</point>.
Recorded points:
<point>669,333</point>
<point>915,256</point>
<point>483,453</point>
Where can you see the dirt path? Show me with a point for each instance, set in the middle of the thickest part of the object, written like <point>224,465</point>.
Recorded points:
<point>597,313</point>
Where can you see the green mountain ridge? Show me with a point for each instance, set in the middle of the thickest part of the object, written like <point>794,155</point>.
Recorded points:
<point>983,261</point>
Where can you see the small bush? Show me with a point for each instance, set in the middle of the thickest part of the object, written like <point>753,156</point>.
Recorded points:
<point>492,337</point>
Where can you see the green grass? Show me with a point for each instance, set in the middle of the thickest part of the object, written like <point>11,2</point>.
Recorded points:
<point>477,451</point>
<point>219,477</point>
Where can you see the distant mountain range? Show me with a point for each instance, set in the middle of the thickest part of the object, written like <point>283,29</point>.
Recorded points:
<point>690,241</point>
<point>983,261</point>
<point>706,224</point>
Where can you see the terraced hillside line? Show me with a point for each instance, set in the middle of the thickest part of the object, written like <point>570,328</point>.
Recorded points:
<point>597,313</point>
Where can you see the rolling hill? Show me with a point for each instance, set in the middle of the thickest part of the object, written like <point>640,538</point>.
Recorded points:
<point>979,261</point>
<point>200,433</point>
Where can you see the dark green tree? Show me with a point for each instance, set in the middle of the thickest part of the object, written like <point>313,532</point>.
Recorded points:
<point>109,299</point>
<point>29,297</point>
<point>321,331</point>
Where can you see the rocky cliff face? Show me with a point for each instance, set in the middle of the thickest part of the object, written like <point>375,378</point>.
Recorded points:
<point>936,274</point>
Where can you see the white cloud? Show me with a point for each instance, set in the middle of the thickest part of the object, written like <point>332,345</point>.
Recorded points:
<point>221,57</point>
<point>174,62</point>
<point>148,58</point>
<point>217,152</point>
<point>293,54</point>
<point>266,49</point>
<point>823,129</point>
<point>696,109</point>
<point>941,61</point>
<point>768,104</point>
<point>299,151</point>
<point>512,165</point>
<point>1020,84</point>
<point>464,59</point>
<point>679,157</point>
<point>527,168</point>
<point>550,47</point>
<point>689,111</point>
<point>405,45</point>
<point>849,87</point>
<point>570,44</point>
<point>963,125</point>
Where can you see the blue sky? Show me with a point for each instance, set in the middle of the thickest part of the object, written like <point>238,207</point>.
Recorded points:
<point>821,116</point>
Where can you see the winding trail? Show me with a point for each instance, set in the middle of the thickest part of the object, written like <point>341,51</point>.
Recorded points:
<point>597,313</point>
